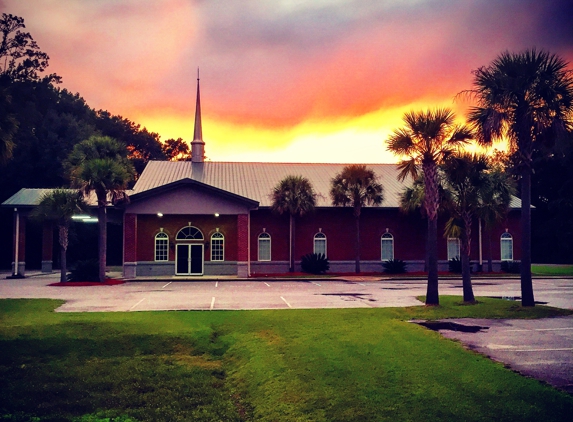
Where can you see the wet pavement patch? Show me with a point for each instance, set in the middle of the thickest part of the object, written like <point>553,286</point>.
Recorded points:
<point>451,326</point>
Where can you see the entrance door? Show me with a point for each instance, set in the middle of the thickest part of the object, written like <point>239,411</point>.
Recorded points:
<point>189,259</point>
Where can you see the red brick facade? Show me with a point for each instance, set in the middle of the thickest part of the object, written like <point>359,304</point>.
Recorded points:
<point>130,238</point>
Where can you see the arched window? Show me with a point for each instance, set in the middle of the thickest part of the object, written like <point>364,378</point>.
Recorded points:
<point>189,233</point>
<point>161,247</point>
<point>387,247</point>
<point>264,247</point>
<point>506,247</point>
<point>320,244</point>
<point>453,248</point>
<point>217,247</point>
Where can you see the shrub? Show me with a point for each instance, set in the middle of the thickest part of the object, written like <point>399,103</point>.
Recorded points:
<point>394,266</point>
<point>314,263</point>
<point>455,265</point>
<point>87,270</point>
<point>510,267</point>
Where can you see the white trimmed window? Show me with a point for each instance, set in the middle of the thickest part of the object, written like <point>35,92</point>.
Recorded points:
<point>506,247</point>
<point>453,248</point>
<point>189,233</point>
<point>161,247</point>
<point>387,247</point>
<point>320,244</point>
<point>217,247</point>
<point>264,247</point>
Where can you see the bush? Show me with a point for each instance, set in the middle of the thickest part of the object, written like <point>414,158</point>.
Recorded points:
<point>512,267</point>
<point>394,266</point>
<point>455,265</point>
<point>314,263</point>
<point>87,270</point>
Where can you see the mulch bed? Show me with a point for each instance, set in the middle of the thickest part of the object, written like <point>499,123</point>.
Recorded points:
<point>107,282</point>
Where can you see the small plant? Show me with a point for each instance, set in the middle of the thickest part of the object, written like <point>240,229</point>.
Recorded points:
<point>512,267</point>
<point>394,266</point>
<point>455,265</point>
<point>87,270</point>
<point>314,263</point>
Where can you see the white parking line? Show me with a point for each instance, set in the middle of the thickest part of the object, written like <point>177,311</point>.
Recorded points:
<point>284,300</point>
<point>268,285</point>
<point>167,284</point>
<point>216,284</point>
<point>316,284</point>
<point>362,284</point>
<point>512,348</point>
<point>136,304</point>
<point>212,303</point>
<point>542,329</point>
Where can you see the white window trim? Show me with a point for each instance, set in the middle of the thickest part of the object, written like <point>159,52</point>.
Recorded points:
<point>163,237</point>
<point>389,236</point>
<point>220,237</point>
<point>505,239</point>
<point>266,238</point>
<point>321,238</point>
<point>448,248</point>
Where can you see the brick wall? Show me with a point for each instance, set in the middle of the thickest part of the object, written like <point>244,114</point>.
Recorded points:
<point>130,238</point>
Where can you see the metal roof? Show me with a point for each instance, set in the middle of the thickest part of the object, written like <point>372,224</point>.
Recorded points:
<point>250,180</point>
<point>29,197</point>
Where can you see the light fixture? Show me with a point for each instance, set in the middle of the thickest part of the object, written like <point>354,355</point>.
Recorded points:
<point>216,214</point>
<point>90,220</point>
<point>160,214</point>
<point>80,217</point>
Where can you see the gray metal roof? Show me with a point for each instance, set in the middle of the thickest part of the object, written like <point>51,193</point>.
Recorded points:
<point>250,180</point>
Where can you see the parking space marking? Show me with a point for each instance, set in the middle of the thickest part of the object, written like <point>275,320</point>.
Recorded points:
<point>136,304</point>
<point>284,300</point>
<point>362,284</point>
<point>212,303</point>
<point>542,329</point>
<point>316,284</point>
<point>268,285</point>
<point>167,284</point>
<point>216,284</point>
<point>516,348</point>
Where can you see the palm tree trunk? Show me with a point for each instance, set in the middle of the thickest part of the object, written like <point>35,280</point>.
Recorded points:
<point>432,296</point>
<point>527,298</point>
<point>466,239</point>
<point>489,251</point>
<point>292,229</point>
<point>63,241</point>
<point>102,240</point>
<point>357,245</point>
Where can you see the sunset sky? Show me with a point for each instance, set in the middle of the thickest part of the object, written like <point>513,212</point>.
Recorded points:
<point>284,80</point>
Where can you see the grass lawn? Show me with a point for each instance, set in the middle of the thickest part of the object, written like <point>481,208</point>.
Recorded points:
<point>551,269</point>
<point>283,365</point>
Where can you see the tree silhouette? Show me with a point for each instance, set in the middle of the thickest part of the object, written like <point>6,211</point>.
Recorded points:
<point>99,164</point>
<point>293,195</point>
<point>356,186</point>
<point>528,98</point>
<point>426,140</point>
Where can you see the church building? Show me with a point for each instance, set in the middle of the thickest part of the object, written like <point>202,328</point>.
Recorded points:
<point>195,218</point>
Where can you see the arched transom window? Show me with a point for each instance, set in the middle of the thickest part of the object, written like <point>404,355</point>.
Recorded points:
<point>264,247</point>
<point>453,248</point>
<point>161,247</point>
<point>387,247</point>
<point>320,244</point>
<point>189,233</point>
<point>506,247</point>
<point>217,247</point>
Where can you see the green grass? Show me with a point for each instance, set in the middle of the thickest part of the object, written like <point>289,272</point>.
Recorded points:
<point>287,365</point>
<point>552,269</point>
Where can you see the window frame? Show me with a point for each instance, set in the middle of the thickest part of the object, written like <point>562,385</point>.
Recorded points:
<point>506,238</point>
<point>386,236</point>
<point>264,237</point>
<point>457,240</point>
<point>163,239</point>
<point>320,237</point>
<point>218,237</point>
<point>181,236</point>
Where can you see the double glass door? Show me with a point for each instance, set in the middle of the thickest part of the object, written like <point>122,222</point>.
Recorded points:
<point>189,259</point>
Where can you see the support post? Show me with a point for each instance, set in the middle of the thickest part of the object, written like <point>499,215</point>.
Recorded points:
<point>129,245</point>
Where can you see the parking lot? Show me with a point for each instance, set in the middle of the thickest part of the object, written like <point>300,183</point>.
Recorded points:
<point>541,348</point>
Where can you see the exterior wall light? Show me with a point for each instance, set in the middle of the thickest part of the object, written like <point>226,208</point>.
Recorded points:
<point>160,214</point>
<point>216,214</point>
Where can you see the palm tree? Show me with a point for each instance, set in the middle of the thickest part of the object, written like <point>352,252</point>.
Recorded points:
<point>100,165</point>
<point>495,198</point>
<point>428,138</point>
<point>464,176</point>
<point>356,186</point>
<point>59,205</point>
<point>295,196</point>
<point>527,98</point>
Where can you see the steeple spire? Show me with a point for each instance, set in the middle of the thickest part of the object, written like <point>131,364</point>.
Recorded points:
<point>198,146</point>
